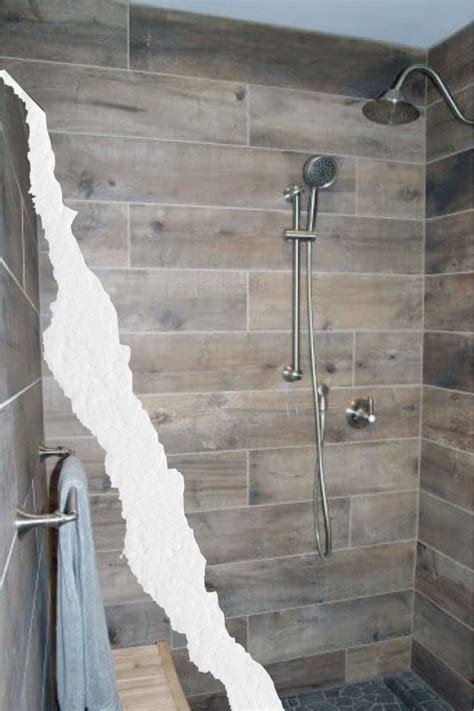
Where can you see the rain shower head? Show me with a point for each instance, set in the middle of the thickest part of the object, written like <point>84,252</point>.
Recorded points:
<point>319,172</point>
<point>391,109</point>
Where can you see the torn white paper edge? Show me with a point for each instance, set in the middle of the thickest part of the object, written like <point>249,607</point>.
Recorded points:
<point>83,351</point>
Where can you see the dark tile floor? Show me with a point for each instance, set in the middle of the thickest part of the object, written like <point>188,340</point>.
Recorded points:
<point>403,691</point>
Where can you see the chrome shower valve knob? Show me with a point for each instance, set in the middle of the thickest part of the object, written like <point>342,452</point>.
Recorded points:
<point>361,413</point>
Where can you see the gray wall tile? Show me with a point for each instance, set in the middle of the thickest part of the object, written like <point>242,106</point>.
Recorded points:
<point>99,101</point>
<point>390,189</point>
<point>312,629</point>
<point>449,243</point>
<point>87,33</point>
<point>296,120</point>
<point>185,43</point>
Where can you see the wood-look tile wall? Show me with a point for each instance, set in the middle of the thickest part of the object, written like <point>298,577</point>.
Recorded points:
<point>443,631</point>
<point>175,152</point>
<point>24,570</point>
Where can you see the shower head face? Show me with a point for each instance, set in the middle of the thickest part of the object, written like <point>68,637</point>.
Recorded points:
<point>319,172</point>
<point>391,109</point>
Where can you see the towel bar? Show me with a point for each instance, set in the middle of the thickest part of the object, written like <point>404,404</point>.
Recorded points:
<point>26,520</point>
<point>44,451</point>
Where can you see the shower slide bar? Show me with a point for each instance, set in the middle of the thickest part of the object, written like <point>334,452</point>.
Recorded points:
<point>26,520</point>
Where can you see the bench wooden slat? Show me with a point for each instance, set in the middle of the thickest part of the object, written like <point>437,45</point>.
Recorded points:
<point>147,679</point>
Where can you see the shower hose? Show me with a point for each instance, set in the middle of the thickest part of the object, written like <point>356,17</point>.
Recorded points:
<point>320,503</point>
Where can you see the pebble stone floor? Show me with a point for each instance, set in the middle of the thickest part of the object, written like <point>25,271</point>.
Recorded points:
<point>403,691</point>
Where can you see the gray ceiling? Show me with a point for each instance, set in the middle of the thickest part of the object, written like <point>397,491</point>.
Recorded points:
<point>418,23</point>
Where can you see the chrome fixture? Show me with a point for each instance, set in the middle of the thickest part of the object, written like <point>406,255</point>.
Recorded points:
<point>26,520</point>
<point>392,107</point>
<point>361,413</point>
<point>319,172</point>
<point>44,451</point>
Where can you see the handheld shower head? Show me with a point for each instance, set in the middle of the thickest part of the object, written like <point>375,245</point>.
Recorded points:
<point>319,172</point>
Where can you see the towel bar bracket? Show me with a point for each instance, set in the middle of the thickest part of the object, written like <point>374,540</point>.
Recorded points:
<point>26,520</point>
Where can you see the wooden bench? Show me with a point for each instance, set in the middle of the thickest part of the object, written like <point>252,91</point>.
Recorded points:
<point>147,679</point>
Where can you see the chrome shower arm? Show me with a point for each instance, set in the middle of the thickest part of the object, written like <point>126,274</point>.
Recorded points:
<point>439,84</point>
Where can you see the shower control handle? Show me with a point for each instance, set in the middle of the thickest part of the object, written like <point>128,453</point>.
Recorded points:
<point>361,413</point>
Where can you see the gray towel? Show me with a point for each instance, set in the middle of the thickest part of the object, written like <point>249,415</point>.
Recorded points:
<point>85,671</point>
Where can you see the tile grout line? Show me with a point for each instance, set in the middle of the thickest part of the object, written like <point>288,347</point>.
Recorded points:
<point>446,156</point>
<point>129,240</point>
<point>444,610</point>
<point>250,208</point>
<point>18,284</point>
<point>279,150</point>
<point>445,555</point>
<point>128,35</point>
<point>446,502</point>
<point>21,392</point>
<point>421,378</point>
<point>191,77</point>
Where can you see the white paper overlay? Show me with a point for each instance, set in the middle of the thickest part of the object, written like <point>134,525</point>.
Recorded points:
<point>83,351</point>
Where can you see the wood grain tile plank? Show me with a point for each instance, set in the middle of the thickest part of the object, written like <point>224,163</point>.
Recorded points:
<point>446,528</point>
<point>293,675</point>
<point>232,361</point>
<point>295,120</point>
<point>379,518</point>
<point>444,133</point>
<point>450,243</point>
<point>390,189</point>
<point>443,636</point>
<point>447,473</point>
<point>263,532</point>
<point>364,663</point>
<point>449,685</point>
<point>21,429</point>
<point>449,360</point>
<point>449,184</point>
<point>19,337</point>
<point>349,301</point>
<point>100,101</point>
<point>13,176</point>
<point>118,584</point>
<point>149,300</point>
<point>185,43</point>
<point>277,475</point>
<point>307,673</point>
<point>240,420</point>
<point>449,302</point>
<point>230,535</point>
<point>84,33</point>
<point>269,419</point>
<point>214,238</point>
<point>448,417</point>
<point>454,59</point>
<point>332,626</point>
<point>253,586</point>
<point>123,169</point>
<point>136,624</point>
<point>209,238</point>
<point>448,584</point>
<point>387,358</point>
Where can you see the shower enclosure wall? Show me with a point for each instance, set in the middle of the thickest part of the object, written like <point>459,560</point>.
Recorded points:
<point>24,571</point>
<point>174,149</point>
